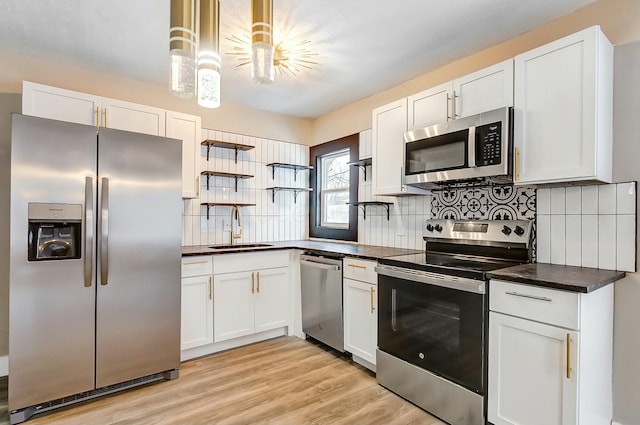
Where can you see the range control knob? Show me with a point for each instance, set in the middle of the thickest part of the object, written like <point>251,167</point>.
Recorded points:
<point>506,230</point>
<point>518,231</point>
<point>429,227</point>
<point>438,228</point>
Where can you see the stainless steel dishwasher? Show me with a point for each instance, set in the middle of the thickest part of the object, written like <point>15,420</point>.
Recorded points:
<point>321,279</point>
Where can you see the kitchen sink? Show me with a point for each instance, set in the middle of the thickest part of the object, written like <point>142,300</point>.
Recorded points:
<point>240,246</point>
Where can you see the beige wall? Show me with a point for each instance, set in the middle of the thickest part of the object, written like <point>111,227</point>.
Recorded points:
<point>619,19</point>
<point>229,117</point>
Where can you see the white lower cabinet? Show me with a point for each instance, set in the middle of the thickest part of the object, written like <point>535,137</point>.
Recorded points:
<point>196,326</point>
<point>251,300</point>
<point>360,310</point>
<point>553,364</point>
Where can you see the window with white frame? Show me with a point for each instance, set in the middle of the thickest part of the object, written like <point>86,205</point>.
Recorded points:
<point>334,189</point>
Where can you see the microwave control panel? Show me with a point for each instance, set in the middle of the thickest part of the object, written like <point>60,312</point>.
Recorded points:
<point>488,144</point>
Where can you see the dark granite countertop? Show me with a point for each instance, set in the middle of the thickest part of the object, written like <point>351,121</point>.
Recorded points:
<point>370,252</point>
<point>566,278</point>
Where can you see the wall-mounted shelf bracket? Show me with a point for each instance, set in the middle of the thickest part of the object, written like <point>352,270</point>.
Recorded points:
<point>293,167</point>
<point>226,145</point>
<point>221,174</point>
<point>364,206</point>
<point>295,190</point>
<point>223,204</point>
<point>363,163</point>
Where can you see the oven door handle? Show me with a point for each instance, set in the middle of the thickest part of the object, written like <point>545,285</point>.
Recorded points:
<point>438,279</point>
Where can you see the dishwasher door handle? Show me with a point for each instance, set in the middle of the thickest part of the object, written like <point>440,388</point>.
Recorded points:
<point>322,266</point>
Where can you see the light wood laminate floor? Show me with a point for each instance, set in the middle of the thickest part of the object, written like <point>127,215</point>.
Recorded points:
<point>280,382</point>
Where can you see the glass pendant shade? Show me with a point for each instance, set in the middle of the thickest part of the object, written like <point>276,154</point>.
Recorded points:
<point>262,69</point>
<point>208,55</point>
<point>182,48</point>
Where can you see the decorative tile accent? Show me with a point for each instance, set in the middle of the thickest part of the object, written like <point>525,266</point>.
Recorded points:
<point>485,203</point>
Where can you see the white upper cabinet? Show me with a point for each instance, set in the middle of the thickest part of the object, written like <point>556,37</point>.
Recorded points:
<point>389,126</point>
<point>430,107</point>
<point>66,105</point>
<point>188,129</point>
<point>43,101</point>
<point>484,90</point>
<point>133,117</point>
<point>563,110</point>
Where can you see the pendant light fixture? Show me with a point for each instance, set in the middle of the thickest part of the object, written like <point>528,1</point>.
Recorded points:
<point>262,70</point>
<point>182,48</point>
<point>209,55</point>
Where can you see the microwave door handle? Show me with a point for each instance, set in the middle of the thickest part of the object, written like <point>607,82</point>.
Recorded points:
<point>471,150</point>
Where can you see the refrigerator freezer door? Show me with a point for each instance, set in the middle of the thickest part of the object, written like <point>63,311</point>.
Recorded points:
<point>52,312</point>
<point>138,305</point>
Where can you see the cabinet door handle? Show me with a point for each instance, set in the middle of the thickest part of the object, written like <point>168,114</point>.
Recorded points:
<point>253,283</point>
<point>456,104</point>
<point>533,297</point>
<point>258,279</point>
<point>357,266</point>
<point>448,115</point>
<point>371,291</point>
<point>105,119</point>
<point>517,161</point>
<point>210,288</point>
<point>568,356</point>
<point>97,119</point>
<point>199,184</point>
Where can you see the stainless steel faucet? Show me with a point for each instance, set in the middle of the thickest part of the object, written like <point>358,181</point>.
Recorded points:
<point>236,224</point>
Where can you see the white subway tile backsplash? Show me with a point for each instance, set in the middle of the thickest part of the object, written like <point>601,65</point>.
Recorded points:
<point>607,199</point>
<point>543,201</point>
<point>590,200</point>
<point>626,242</point>
<point>558,238</point>
<point>573,200</point>
<point>558,200</point>
<point>573,245</point>
<point>543,249</point>
<point>626,198</point>
<point>590,241</point>
<point>607,241</point>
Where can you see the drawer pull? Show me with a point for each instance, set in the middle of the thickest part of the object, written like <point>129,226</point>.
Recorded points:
<point>193,263</point>
<point>357,266</point>
<point>568,356</point>
<point>533,297</point>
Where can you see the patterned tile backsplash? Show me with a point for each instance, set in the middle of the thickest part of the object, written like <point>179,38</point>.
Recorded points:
<point>485,203</point>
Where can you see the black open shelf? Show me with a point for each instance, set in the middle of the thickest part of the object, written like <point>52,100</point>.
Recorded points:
<point>295,190</point>
<point>222,174</point>
<point>226,145</point>
<point>362,163</point>
<point>364,206</point>
<point>224,204</point>
<point>294,167</point>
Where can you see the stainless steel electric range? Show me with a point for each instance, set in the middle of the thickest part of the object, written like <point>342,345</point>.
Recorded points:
<point>433,310</point>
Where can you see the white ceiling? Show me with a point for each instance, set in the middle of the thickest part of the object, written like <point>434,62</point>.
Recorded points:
<point>364,46</point>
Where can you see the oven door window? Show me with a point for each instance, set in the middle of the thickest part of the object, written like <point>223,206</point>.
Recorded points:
<point>437,153</point>
<point>435,328</point>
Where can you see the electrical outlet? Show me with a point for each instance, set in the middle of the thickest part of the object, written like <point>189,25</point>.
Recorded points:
<point>226,225</point>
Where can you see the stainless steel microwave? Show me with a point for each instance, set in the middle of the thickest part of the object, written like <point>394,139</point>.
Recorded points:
<point>476,148</point>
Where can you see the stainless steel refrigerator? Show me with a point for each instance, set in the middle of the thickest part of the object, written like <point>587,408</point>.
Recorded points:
<point>94,262</point>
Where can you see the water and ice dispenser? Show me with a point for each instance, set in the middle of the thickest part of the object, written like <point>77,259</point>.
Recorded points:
<point>55,231</point>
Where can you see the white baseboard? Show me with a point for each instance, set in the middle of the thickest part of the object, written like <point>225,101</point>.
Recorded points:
<point>4,365</point>
<point>615,423</point>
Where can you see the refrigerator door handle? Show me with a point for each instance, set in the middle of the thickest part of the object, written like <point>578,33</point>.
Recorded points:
<point>88,231</point>
<point>104,232</point>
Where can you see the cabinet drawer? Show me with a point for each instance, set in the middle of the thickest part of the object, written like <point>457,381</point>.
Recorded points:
<point>559,308</point>
<point>197,266</point>
<point>362,270</point>
<point>249,261</point>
